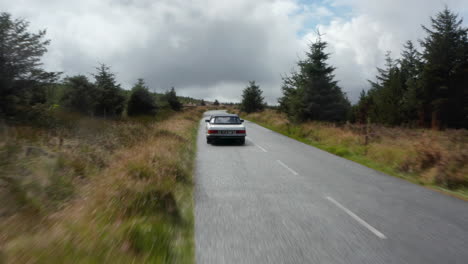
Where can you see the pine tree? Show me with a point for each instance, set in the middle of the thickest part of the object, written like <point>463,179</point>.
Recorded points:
<point>252,99</point>
<point>312,93</point>
<point>110,99</point>
<point>22,80</point>
<point>141,101</point>
<point>291,102</point>
<point>364,107</point>
<point>410,61</point>
<point>411,66</point>
<point>444,76</point>
<point>80,95</point>
<point>387,93</point>
<point>173,101</point>
<point>216,102</point>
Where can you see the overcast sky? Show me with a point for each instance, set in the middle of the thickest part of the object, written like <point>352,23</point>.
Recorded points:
<point>211,48</point>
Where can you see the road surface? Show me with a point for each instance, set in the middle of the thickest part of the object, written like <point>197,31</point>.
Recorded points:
<point>276,200</point>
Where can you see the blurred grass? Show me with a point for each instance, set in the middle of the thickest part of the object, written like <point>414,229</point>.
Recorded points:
<point>99,191</point>
<point>436,159</point>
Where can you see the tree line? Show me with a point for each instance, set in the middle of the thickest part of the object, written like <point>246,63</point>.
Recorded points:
<point>28,92</point>
<point>105,97</point>
<point>427,88</point>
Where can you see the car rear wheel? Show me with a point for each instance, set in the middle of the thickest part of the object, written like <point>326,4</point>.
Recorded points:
<point>208,141</point>
<point>242,141</point>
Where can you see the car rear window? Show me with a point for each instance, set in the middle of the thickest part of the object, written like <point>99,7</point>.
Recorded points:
<point>226,120</point>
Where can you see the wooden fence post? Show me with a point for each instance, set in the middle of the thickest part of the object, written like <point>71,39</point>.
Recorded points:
<point>366,141</point>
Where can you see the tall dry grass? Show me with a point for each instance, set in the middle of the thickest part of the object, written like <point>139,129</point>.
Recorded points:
<point>99,191</point>
<point>438,158</point>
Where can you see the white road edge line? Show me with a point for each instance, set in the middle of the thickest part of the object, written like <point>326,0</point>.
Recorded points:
<point>284,165</point>
<point>357,218</point>
<point>264,150</point>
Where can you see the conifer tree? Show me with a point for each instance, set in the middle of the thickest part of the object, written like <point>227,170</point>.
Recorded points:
<point>387,93</point>
<point>80,95</point>
<point>411,67</point>
<point>173,101</point>
<point>141,101</point>
<point>252,99</point>
<point>444,76</point>
<point>22,79</point>
<point>110,99</point>
<point>312,93</point>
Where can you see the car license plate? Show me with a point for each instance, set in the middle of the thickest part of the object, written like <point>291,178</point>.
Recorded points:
<point>227,132</point>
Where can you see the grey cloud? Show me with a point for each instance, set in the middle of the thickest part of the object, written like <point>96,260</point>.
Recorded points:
<point>205,48</point>
<point>211,48</point>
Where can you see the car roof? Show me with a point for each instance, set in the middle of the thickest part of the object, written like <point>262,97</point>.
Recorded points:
<point>217,115</point>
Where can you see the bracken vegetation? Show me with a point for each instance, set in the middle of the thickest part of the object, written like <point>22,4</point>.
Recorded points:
<point>434,158</point>
<point>98,190</point>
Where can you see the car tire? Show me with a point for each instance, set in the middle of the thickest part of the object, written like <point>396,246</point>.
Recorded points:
<point>208,141</point>
<point>242,141</point>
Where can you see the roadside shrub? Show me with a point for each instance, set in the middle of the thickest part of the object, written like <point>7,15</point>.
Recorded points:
<point>140,171</point>
<point>342,152</point>
<point>60,188</point>
<point>392,155</point>
<point>149,202</point>
<point>25,196</point>
<point>169,134</point>
<point>429,153</point>
<point>452,169</point>
<point>176,170</point>
<point>152,238</point>
<point>452,172</point>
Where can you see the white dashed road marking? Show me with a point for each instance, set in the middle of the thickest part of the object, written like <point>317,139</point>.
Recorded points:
<point>284,165</point>
<point>264,150</point>
<point>357,218</point>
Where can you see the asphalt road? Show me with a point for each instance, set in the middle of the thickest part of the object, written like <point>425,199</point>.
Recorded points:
<point>276,200</point>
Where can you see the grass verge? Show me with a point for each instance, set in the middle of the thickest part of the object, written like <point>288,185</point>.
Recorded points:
<point>99,191</point>
<point>435,159</point>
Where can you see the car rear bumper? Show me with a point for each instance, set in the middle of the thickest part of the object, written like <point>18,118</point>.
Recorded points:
<point>222,137</point>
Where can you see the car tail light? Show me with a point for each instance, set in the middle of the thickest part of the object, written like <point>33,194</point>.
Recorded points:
<point>212,131</point>
<point>240,131</point>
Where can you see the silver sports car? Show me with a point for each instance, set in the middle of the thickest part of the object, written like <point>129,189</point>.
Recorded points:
<point>225,127</point>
